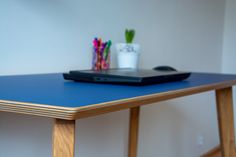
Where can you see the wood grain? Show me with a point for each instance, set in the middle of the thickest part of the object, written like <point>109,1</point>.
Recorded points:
<point>215,152</point>
<point>226,121</point>
<point>63,138</point>
<point>133,131</point>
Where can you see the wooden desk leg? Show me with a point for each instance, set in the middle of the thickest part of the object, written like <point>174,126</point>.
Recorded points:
<point>63,138</point>
<point>226,121</point>
<point>133,131</point>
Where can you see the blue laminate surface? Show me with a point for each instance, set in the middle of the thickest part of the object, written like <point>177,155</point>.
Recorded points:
<point>52,89</point>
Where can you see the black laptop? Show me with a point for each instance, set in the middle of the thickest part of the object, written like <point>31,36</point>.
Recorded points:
<point>126,76</point>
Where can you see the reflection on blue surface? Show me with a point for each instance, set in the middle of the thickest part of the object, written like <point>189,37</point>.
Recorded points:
<point>52,89</point>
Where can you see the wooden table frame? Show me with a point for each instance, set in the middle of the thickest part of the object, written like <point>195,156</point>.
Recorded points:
<point>64,135</point>
<point>64,118</point>
<point>64,130</point>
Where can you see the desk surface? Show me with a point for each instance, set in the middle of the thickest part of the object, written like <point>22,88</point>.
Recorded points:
<point>51,96</point>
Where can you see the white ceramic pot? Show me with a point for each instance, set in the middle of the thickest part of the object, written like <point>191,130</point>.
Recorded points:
<point>128,55</point>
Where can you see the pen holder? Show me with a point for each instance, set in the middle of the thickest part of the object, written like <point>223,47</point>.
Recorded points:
<point>101,54</point>
<point>101,59</point>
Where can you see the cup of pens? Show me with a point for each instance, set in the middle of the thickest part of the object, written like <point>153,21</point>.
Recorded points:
<point>101,54</point>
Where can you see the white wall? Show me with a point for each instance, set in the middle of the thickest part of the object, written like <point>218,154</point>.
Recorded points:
<point>229,48</point>
<point>229,45</point>
<point>55,35</point>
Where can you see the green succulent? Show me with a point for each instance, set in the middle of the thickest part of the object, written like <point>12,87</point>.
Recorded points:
<point>129,35</point>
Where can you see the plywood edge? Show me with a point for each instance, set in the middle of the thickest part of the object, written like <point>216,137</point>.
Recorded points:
<point>107,107</point>
<point>36,105</point>
<point>37,110</point>
<point>70,113</point>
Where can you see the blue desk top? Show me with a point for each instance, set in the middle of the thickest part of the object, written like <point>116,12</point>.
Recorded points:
<point>52,89</point>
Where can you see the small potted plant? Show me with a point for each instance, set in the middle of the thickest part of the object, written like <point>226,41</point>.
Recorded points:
<point>128,53</point>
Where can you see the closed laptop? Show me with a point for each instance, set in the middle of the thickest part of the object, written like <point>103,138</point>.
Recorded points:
<point>126,76</point>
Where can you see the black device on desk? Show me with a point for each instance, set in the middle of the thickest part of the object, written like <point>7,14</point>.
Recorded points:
<point>127,76</point>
